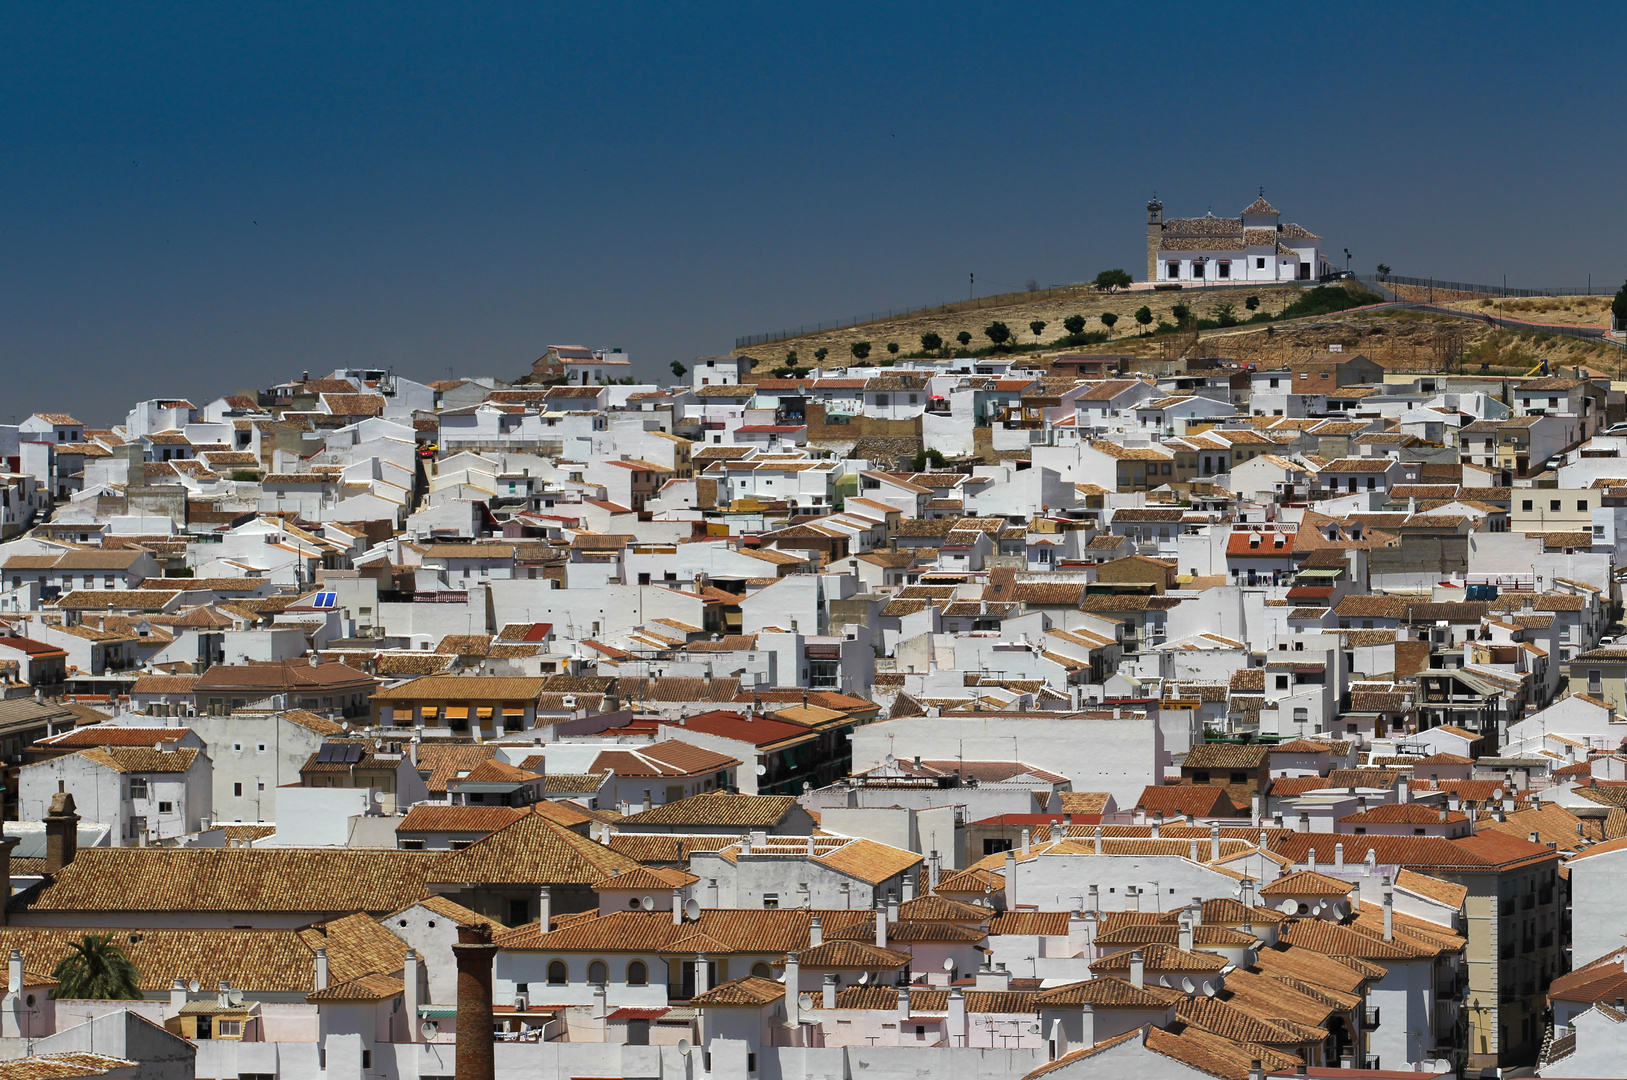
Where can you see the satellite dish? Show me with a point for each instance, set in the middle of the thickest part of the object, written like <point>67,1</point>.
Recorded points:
<point>692,908</point>
<point>1317,910</point>
<point>1163,980</point>
<point>864,978</point>
<point>194,986</point>
<point>1189,986</point>
<point>429,1029</point>
<point>683,1046</point>
<point>891,760</point>
<point>649,903</point>
<point>344,725</point>
<point>805,1001</point>
<point>1208,989</point>
<point>1342,908</point>
<point>949,963</point>
<point>235,997</point>
<point>378,797</point>
<point>1497,793</point>
<point>1288,907</point>
<point>762,770</point>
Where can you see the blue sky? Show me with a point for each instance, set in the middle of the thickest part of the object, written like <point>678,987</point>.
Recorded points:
<point>203,199</point>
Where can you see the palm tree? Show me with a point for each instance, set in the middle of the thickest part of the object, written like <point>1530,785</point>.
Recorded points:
<point>96,970</point>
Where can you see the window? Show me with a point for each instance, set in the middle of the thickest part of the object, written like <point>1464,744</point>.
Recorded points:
<point>1239,777</point>
<point>233,1029</point>
<point>995,847</point>
<point>771,900</point>
<point>882,400</point>
<point>1174,269</point>
<point>1197,269</point>
<point>107,581</point>
<point>138,788</point>
<point>1282,682</point>
<point>237,790</point>
<point>1581,504</point>
<point>1525,505</point>
<point>1225,269</point>
<point>166,808</point>
<point>367,1059</point>
<point>260,748</point>
<point>1553,504</point>
<point>557,973</point>
<point>598,973</point>
<point>1200,776</point>
<point>237,748</point>
<point>1259,264</point>
<point>1272,383</point>
<point>410,845</point>
<point>760,970</point>
<point>638,974</point>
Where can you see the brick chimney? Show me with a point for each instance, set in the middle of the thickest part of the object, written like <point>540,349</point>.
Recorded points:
<point>474,952</point>
<point>61,831</point>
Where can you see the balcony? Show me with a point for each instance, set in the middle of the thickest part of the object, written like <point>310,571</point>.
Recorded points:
<point>1370,1020</point>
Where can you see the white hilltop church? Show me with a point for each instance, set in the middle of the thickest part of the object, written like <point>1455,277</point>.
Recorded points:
<point>1254,246</point>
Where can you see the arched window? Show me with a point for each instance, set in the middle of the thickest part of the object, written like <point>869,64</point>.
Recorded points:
<point>638,974</point>
<point>598,974</point>
<point>557,973</point>
<point>761,971</point>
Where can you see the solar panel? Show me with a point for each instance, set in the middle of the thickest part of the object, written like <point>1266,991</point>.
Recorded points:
<point>353,753</point>
<point>324,756</point>
<point>326,600</point>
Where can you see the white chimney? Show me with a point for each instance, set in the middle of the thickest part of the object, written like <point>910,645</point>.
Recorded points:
<point>932,872</point>
<point>830,990</point>
<point>909,885</point>
<point>903,1008</point>
<point>881,926</point>
<point>1025,843</point>
<point>956,1023</point>
<point>177,989</point>
<point>545,909</point>
<point>1186,935</point>
<point>14,972</point>
<point>677,907</point>
<point>1089,1025</point>
<point>1011,881</point>
<point>1403,791</point>
<point>1138,969</point>
<point>1214,841</point>
<point>1254,810</point>
<point>793,983</point>
<point>409,1005</point>
<point>702,975</point>
<point>1338,856</point>
<point>816,933</point>
<point>1389,909</point>
<point>322,968</point>
<point>1310,860</point>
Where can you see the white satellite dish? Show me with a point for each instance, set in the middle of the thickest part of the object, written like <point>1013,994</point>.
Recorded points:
<point>806,1001</point>
<point>864,978</point>
<point>1208,989</point>
<point>1189,986</point>
<point>1163,980</point>
<point>891,760</point>
<point>194,986</point>
<point>344,725</point>
<point>1288,907</point>
<point>235,997</point>
<point>378,797</point>
<point>692,908</point>
<point>762,770</point>
<point>429,1029</point>
<point>1317,910</point>
<point>683,1046</point>
<point>649,903</point>
<point>949,963</point>
<point>1497,794</point>
<point>1342,908</point>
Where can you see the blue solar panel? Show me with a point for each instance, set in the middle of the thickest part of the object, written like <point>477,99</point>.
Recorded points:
<point>326,600</point>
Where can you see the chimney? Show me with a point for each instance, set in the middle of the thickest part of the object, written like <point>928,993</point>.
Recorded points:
<point>1132,898</point>
<point>1098,839</point>
<point>677,907</point>
<point>1248,892</point>
<point>703,974</point>
<point>321,980</point>
<point>1214,841</point>
<point>1025,843</point>
<point>1403,791</point>
<point>646,802</point>
<point>474,952</point>
<point>1310,860</point>
<point>1254,810</point>
<point>410,979</point>
<point>1255,1070</point>
<point>932,872</point>
<point>61,831</point>
<point>830,990</point>
<point>1338,856</point>
<point>223,995</point>
<point>1095,897</point>
<point>177,989</point>
<point>1089,1025</point>
<point>1011,881</point>
<point>1276,819</point>
<point>1389,909</point>
<point>881,926</point>
<point>816,933</point>
<point>793,996</point>
<point>1304,821</point>
<point>956,1024</point>
<point>1533,838</point>
<point>909,885</point>
<point>1138,970</point>
<point>1185,937</point>
<point>892,907</point>
<point>1157,824</point>
<point>903,1008</point>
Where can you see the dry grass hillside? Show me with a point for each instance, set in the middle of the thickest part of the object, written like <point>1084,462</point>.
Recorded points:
<point>1554,310</point>
<point>1049,306</point>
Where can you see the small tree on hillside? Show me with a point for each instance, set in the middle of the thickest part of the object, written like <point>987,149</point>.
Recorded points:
<point>892,347</point>
<point>925,458</point>
<point>820,354</point>
<point>1383,270</point>
<point>964,337</point>
<point>1225,314</point>
<point>96,970</point>
<point>1108,319</point>
<point>1074,324</point>
<point>1144,317</point>
<point>1181,313</point>
<point>791,357</point>
<point>1618,306</point>
<point>1109,280</point>
<point>1038,327</point>
<point>859,349</point>
<point>1252,303</point>
<point>678,369</point>
<point>997,332</point>
<point>931,342</point>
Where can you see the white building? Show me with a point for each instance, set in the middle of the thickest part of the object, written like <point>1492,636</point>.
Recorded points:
<point>1254,246</point>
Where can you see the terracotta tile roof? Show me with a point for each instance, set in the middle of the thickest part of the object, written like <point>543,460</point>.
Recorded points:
<point>1226,756</point>
<point>428,817</point>
<point>445,761</point>
<point>852,955</point>
<point>718,808</point>
<point>1449,893</point>
<point>235,879</point>
<point>141,759</point>
<point>1199,800</point>
<point>870,861</point>
<point>1161,958</point>
<point>530,851</point>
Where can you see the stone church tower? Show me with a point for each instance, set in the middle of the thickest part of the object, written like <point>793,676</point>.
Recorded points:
<point>1155,229</point>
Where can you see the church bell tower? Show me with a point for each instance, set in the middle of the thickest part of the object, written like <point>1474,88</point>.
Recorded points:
<point>1155,229</point>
